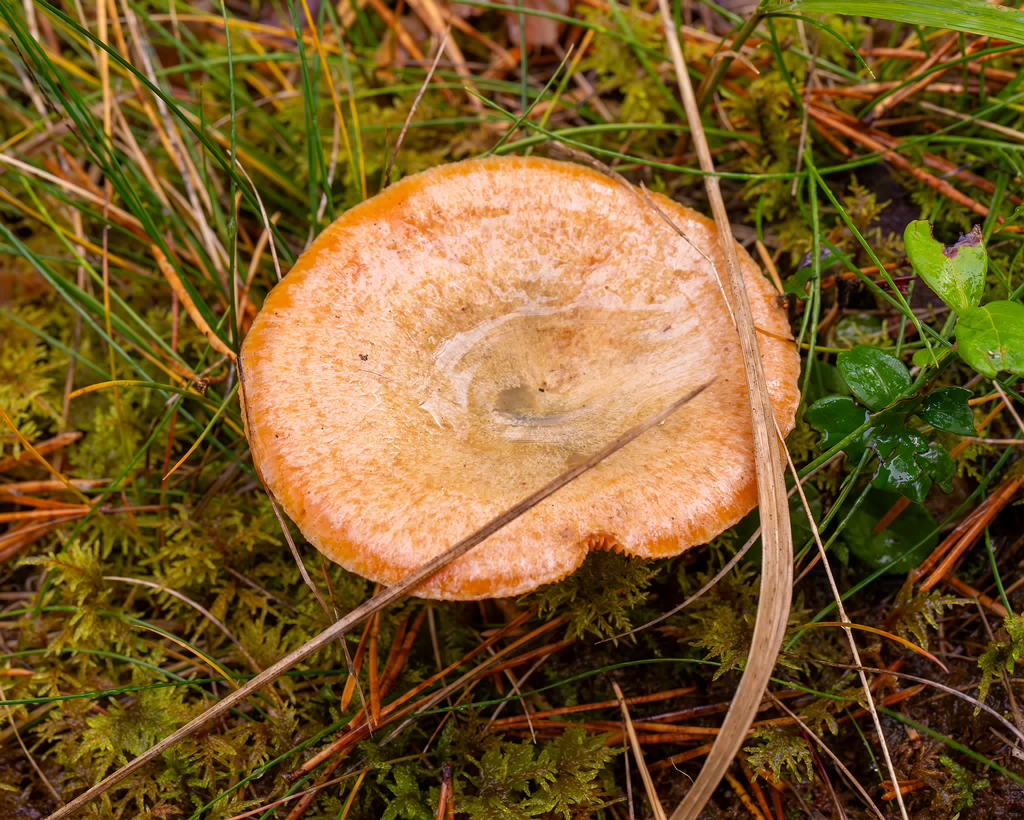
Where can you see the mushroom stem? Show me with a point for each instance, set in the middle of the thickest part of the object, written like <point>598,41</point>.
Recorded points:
<point>374,605</point>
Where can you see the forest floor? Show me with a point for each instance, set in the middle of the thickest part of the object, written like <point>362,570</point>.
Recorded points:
<point>161,165</point>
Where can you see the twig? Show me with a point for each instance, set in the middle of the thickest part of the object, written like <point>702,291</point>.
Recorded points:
<point>415,105</point>
<point>741,793</point>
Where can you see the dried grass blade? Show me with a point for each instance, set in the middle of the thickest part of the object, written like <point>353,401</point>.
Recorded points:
<point>777,563</point>
<point>638,755</point>
<point>847,625</point>
<point>171,275</point>
<point>913,647</point>
<point>832,756</point>
<point>38,456</point>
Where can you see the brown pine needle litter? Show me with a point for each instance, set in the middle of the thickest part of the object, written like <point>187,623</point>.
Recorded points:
<point>187,194</point>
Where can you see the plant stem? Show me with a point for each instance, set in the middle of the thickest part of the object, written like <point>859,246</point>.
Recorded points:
<point>711,81</point>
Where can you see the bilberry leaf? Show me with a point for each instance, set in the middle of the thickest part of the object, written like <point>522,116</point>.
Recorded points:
<point>947,409</point>
<point>876,378</point>
<point>956,273</point>
<point>835,418</point>
<point>898,548</point>
<point>910,464</point>
<point>991,338</point>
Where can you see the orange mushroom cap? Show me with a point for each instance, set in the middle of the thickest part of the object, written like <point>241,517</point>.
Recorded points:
<point>454,343</point>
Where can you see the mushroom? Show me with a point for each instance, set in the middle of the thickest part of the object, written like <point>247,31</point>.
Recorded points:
<point>452,344</point>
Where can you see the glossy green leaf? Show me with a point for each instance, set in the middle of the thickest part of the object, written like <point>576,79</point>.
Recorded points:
<point>835,418</point>
<point>910,464</point>
<point>876,378</point>
<point>899,548</point>
<point>947,409</point>
<point>975,16</point>
<point>956,273</point>
<point>991,338</point>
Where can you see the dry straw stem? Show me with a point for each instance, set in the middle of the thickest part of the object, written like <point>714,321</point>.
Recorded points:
<point>171,275</point>
<point>777,539</point>
<point>634,743</point>
<point>371,607</point>
<point>412,110</point>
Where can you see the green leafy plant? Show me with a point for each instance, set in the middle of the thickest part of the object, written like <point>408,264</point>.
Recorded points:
<point>990,338</point>
<point>964,784</point>
<point>899,547</point>
<point>779,750</point>
<point>407,798</point>
<point>517,781</point>
<point>956,273</point>
<point>913,615</point>
<point>907,462</point>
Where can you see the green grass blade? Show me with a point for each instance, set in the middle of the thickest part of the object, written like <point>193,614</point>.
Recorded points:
<point>974,16</point>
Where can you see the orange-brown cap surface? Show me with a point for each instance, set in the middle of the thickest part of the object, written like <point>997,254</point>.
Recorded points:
<point>451,345</point>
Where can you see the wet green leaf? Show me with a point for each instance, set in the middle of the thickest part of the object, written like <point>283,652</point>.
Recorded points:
<point>975,16</point>
<point>835,418</point>
<point>956,273</point>
<point>887,549</point>
<point>991,338</point>
<point>910,464</point>
<point>876,378</point>
<point>947,409</point>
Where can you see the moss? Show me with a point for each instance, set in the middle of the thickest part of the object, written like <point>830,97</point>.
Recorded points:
<point>599,595</point>
<point>561,779</point>
<point>1001,655</point>
<point>779,750</point>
